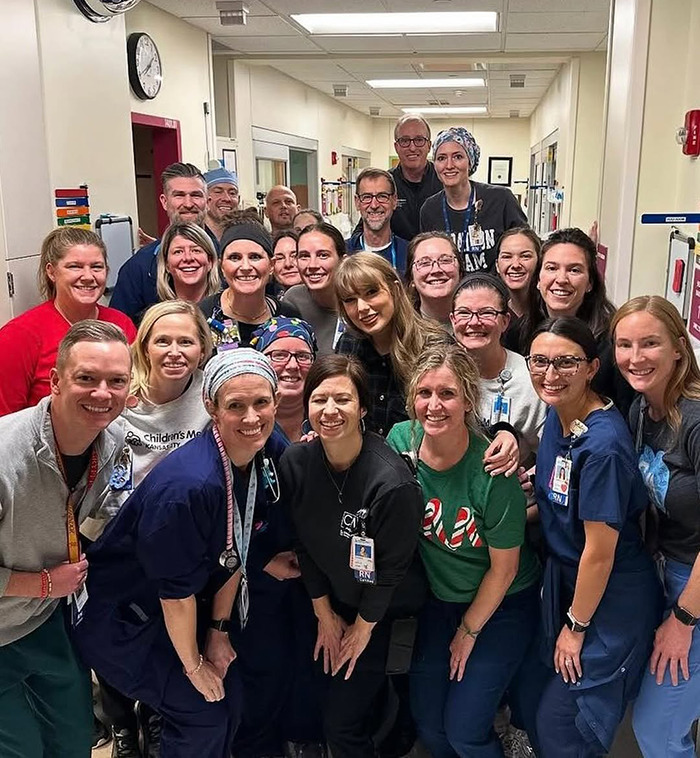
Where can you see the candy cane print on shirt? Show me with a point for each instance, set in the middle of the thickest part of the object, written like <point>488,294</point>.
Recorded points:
<point>464,524</point>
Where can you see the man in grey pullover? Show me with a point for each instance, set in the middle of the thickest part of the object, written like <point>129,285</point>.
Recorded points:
<point>56,460</point>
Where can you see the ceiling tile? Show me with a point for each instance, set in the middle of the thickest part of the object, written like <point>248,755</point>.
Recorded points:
<point>269,44</point>
<point>557,22</point>
<point>310,72</point>
<point>205,8</point>
<point>554,6</point>
<point>561,41</point>
<point>362,44</point>
<point>257,26</point>
<point>324,6</point>
<point>459,43</point>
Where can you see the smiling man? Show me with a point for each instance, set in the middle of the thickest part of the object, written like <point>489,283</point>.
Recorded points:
<point>415,175</point>
<point>57,458</point>
<point>184,198</point>
<point>222,199</point>
<point>375,200</point>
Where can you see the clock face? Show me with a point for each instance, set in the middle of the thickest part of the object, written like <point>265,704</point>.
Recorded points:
<point>145,69</point>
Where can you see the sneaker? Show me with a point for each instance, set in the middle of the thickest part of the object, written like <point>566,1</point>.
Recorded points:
<point>125,744</point>
<point>101,735</point>
<point>516,743</point>
<point>305,750</point>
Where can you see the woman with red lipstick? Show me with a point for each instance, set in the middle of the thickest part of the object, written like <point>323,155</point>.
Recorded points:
<point>567,283</point>
<point>187,264</point>
<point>72,278</point>
<point>433,268</point>
<point>654,354</point>
<point>601,595</point>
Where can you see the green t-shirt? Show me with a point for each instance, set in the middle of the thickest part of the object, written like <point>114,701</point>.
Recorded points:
<point>466,511</point>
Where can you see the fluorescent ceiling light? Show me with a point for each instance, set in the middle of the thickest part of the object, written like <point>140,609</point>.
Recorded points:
<point>464,110</point>
<point>425,83</point>
<point>450,22</point>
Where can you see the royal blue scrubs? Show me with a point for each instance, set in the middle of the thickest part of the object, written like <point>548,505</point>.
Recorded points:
<point>165,544</point>
<point>605,486</point>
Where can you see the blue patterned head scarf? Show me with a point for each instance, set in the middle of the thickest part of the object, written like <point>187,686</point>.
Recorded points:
<point>282,326</point>
<point>464,138</point>
<point>229,363</point>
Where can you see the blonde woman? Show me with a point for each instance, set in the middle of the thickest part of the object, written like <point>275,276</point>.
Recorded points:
<point>654,354</point>
<point>72,278</point>
<point>482,613</point>
<point>187,264</point>
<point>165,411</point>
<point>386,335</point>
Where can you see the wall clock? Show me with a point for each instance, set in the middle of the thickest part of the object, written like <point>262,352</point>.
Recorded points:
<point>145,67</point>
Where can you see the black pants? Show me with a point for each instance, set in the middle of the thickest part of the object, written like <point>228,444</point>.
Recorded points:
<point>349,706</point>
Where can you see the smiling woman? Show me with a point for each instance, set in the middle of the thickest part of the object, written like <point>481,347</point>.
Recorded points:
<point>72,278</point>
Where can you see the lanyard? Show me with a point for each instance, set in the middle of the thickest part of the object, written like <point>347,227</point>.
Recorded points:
<point>468,214</point>
<point>392,249</point>
<point>71,505</point>
<point>235,529</point>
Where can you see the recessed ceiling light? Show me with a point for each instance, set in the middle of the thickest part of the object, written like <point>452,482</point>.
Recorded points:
<point>424,83</point>
<point>448,22</point>
<point>464,110</point>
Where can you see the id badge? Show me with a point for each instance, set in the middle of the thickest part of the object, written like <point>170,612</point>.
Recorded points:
<point>339,329</point>
<point>476,237</point>
<point>122,478</point>
<point>500,409</point>
<point>230,339</point>
<point>362,559</point>
<point>561,479</point>
<point>77,602</point>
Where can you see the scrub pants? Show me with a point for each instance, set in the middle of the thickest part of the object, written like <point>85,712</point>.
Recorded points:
<point>663,714</point>
<point>456,718</point>
<point>45,696</point>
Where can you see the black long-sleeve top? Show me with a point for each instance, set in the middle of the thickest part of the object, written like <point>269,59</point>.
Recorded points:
<point>378,481</point>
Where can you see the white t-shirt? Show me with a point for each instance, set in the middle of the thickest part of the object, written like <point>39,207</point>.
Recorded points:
<point>526,411</point>
<point>150,433</point>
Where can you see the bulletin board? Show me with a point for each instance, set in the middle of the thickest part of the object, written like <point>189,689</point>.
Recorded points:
<point>118,235</point>
<point>679,271</point>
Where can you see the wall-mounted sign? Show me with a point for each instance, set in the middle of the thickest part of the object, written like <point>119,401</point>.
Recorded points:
<point>100,11</point>
<point>670,218</point>
<point>73,207</point>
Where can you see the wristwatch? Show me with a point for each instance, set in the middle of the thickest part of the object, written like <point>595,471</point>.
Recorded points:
<point>221,625</point>
<point>684,616</point>
<point>574,624</point>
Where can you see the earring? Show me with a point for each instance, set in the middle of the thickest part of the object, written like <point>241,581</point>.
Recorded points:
<point>362,426</point>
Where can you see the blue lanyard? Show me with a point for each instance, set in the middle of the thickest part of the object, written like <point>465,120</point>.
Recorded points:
<point>468,214</point>
<point>392,250</point>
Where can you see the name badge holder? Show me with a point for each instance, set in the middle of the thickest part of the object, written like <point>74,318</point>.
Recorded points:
<point>501,405</point>
<point>235,555</point>
<point>560,480</point>
<point>362,552</point>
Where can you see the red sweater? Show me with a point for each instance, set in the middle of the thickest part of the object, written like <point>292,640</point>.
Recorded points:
<point>28,348</point>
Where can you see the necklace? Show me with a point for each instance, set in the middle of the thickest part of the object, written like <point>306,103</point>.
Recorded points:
<point>237,315</point>
<point>340,489</point>
<point>94,314</point>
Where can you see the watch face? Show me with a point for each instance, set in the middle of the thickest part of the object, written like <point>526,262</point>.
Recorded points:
<point>145,69</point>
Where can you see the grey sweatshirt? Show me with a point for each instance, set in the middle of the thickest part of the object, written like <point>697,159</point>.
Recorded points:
<point>33,497</point>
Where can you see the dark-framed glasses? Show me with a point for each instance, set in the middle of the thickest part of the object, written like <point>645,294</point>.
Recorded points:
<point>381,197</point>
<point>566,365</point>
<point>417,141</point>
<point>485,315</point>
<point>443,262</point>
<point>303,357</point>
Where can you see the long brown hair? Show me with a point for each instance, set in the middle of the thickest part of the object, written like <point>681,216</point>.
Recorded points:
<point>411,333</point>
<point>685,379</point>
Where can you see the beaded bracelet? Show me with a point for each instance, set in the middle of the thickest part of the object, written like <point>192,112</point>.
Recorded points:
<point>467,632</point>
<point>196,668</point>
<point>46,583</point>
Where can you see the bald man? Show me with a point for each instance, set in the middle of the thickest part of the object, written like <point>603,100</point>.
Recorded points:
<point>280,207</point>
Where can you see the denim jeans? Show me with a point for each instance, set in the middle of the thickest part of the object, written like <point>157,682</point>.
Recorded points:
<point>663,714</point>
<point>456,718</point>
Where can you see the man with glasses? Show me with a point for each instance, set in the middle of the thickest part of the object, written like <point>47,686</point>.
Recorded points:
<point>414,176</point>
<point>375,200</point>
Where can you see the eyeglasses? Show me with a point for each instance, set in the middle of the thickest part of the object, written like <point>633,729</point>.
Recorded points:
<point>381,197</point>
<point>303,357</point>
<point>566,365</point>
<point>485,315</point>
<point>417,141</point>
<point>443,262</point>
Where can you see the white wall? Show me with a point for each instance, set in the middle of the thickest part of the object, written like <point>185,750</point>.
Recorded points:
<point>668,180</point>
<point>184,52</point>
<point>495,136</point>
<point>264,97</point>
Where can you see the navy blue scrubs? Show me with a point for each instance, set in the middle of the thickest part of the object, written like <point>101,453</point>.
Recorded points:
<point>606,487</point>
<point>164,544</point>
